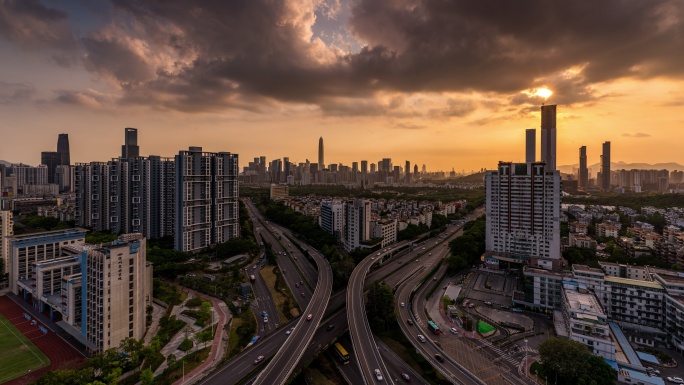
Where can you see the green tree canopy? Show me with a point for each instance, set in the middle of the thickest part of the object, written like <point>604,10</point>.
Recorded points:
<point>572,363</point>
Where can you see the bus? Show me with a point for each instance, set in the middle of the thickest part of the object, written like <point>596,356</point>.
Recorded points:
<point>341,353</point>
<point>433,327</point>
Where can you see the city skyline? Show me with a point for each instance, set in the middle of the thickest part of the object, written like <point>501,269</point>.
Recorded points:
<point>358,73</point>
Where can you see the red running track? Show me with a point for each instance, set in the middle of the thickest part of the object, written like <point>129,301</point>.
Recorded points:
<point>60,353</point>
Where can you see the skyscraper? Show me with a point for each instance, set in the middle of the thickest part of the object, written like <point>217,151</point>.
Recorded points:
<point>523,215</point>
<point>321,159</point>
<point>206,199</point>
<point>605,167</point>
<point>583,170</point>
<point>530,145</point>
<point>548,136</point>
<point>407,172</point>
<point>130,148</point>
<point>63,149</point>
<point>364,166</point>
<point>51,159</point>
<point>356,223</point>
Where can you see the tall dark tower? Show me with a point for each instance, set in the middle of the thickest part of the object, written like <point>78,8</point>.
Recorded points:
<point>63,149</point>
<point>407,170</point>
<point>583,170</point>
<point>321,163</point>
<point>605,167</point>
<point>530,145</point>
<point>548,136</point>
<point>130,148</point>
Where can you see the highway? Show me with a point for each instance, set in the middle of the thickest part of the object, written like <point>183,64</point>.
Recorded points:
<point>283,363</point>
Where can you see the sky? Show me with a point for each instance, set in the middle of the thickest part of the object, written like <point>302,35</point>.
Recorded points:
<point>450,84</point>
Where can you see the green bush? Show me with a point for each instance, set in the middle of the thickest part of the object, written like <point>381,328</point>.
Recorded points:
<point>185,345</point>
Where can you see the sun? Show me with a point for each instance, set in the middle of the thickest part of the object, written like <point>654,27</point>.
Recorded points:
<point>543,92</point>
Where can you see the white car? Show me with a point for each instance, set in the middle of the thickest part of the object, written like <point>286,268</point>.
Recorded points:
<point>289,331</point>
<point>401,304</point>
<point>453,331</point>
<point>421,338</point>
<point>676,380</point>
<point>265,320</point>
<point>378,374</point>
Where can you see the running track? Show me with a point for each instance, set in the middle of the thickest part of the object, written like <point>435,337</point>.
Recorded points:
<point>60,353</point>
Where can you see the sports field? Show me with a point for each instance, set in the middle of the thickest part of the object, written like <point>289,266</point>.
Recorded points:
<point>485,329</point>
<point>17,354</point>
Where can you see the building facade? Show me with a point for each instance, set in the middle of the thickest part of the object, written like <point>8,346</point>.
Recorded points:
<point>6,230</point>
<point>206,199</point>
<point>523,215</point>
<point>332,218</point>
<point>356,223</point>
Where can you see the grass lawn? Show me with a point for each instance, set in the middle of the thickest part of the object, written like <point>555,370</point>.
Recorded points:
<point>278,297</point>
<point>17,353</point>
<point>233,338</point>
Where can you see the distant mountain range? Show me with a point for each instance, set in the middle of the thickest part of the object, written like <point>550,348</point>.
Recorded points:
<point>567,169</point>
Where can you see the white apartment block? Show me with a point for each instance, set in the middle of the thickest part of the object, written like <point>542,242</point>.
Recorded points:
<point>387,230</point>
<point>523,215</point>
<point>332,218</point>
<point>206,199</point>
<point>6,230</point>
<point>581,240</point>
<point>607,230</point>
<point>356,223</point>
<point>585,320</point>
<point>97,293</point>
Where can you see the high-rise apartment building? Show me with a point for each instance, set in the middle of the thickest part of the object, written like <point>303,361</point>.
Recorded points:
<point>523,215</point>
<point>548,136</point>
<point>51,159</point>
<point>364,167</point>
<point>332,218</point>
<point>530,145</point>
<point>206,199</point>
<point>6,230</point>
<point>605,167</point>
<point>130,147</point>
<point>63,149</point>
<point>321,158</point>
<point>583,176</point>
<point>29,175</point>
<point>96,293</point>
<point>356,223</point>
<point>133,195</point>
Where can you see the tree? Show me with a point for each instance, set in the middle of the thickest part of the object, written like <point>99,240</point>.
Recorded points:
<point>573,363</point>
<point>171,360</point>
<point>113,377</point>
<point>380,306</point>
<point>147,377</point>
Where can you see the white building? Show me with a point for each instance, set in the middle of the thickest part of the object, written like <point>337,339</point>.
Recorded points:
<point>387,230</point>
<point>523,215</point>
<point>332,218</point>
<point>356,223</point>
<point>96,293</point>
<point>585,320</point>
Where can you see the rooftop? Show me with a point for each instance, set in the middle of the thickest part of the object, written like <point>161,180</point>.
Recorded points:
<point>634,282</point>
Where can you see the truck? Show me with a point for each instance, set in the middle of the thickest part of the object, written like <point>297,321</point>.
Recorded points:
<point>252,278</point>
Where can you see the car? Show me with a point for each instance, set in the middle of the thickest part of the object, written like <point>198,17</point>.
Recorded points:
<point>409,321</point>
<point>517,310</point>
<point>296,284</point>
<point>255,266</point>
<point>284,271</point>
<point>372,258</point>
<point>295,258</point>
<point>265,320</point>
<point>429,253</point>
<point>258,359</point>
<point>301,282</point>
<point>488,303</point>
<point>421,338</point>
<point>303,295</point>
<point>289,332</point>
<point>416,261</point>
<point>378,254</point>
<point>453,331</point>
<point>330,327</point>
<point>470,305</point>
<point>309,317</point>
<point>434,278</point>
<point>378,375</point>
<point>402,304</point>
<point>264,313</point>
<point>423,248</point>
<point>439,358</point>
<point>675,380</point>
<point>504,307</point>
<point>406,377</point>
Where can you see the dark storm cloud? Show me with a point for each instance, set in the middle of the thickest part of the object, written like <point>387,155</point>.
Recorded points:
<point>30,24</point>
<point>250,54</point>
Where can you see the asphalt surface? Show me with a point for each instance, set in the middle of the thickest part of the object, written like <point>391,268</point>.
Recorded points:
<point>283,363</point>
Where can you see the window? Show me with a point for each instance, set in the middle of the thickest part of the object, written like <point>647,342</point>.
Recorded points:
<point>114,219</point>
<point>114,198</point>
<point>136,199</point>
<point>136,178</point>
<point>114,178</point>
